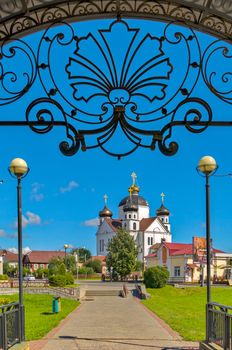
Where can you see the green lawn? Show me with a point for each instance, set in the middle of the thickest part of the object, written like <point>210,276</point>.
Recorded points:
<point>184,309</point>
<point>38,312</point>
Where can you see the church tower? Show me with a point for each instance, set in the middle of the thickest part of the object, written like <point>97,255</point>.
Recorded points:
<point>163,214</point>
<point>105,212</point>
<point>133,206</point>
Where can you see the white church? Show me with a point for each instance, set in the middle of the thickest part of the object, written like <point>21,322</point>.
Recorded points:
<point>134,217</point>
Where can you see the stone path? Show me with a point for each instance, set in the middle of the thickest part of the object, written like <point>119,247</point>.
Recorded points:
<point>111,323</point>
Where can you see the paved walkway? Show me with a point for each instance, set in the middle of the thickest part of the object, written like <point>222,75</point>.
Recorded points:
<point>111,323</point>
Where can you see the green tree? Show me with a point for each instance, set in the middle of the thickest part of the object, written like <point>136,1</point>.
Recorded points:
<point>156,277</point>
<point>122,254</point>
<point>95,264</point>
<point>139,266</point>
<point>70,262</point>
<point>26,271</point>
<point>9,270</point>
<point>83,254</point>
<point>62,269</point>
<point>54,265</point>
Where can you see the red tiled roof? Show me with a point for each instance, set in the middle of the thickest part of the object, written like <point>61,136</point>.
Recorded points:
<point>183,248</point>
<point>145,223</point>
<point>175,247</point>
<point>43,256</point>
<point>10,257</point>
<point>152,255</point>
<point>115,224</point>
<point>98,257</point>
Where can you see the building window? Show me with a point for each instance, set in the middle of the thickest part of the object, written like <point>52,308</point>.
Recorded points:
<point>42,266</point>
<point>151,240</point>
<point>176,271</point>
<point>148,240</point>
<point>129,216</point>
<point>134,226</point>
<point>101,245</point>
<point>35,266</point>
<point>134,216</point>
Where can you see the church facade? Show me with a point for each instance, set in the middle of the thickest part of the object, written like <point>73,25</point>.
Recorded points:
<point>134,217</point>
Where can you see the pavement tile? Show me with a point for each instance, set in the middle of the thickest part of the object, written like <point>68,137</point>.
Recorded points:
<point>112,323</point>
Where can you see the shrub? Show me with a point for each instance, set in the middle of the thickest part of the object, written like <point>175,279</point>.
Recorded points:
<point>69,278</point>
<point>4,301</point>
<point>86,270</point>
<point>156,277</point>
<point>62,269</point>
<point>57,280</point>
<point>3,277</point>
<point>95,264</point>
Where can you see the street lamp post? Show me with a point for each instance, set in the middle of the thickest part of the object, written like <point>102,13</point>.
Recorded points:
<point>207,167</point>
<point>18,168</point>
<point>65,253</point>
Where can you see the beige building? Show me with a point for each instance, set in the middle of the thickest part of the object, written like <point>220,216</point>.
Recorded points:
<point>180,262</point>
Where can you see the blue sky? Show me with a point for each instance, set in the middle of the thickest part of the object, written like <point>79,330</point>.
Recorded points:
<point>63,195</point>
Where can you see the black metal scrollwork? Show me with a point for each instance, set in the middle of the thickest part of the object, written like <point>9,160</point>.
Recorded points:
<point>116,83</point>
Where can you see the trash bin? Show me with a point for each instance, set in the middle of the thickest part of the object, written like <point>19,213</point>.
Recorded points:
<point>56,304</point>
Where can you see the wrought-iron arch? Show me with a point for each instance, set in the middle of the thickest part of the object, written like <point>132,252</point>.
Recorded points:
<point>98,91</point>
<point>18,17</point>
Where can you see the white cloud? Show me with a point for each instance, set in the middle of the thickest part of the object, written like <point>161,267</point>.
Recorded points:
<point>26,250</point>
<point>36,193</point>
<point>13,250</point>
<point>33,219</point>
<point>71,186</point>
<point>91,222</point>
<point>29,219</point>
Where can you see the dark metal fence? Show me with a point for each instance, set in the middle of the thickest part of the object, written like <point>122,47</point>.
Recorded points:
<point>9,325</point>
<point>219,325</point>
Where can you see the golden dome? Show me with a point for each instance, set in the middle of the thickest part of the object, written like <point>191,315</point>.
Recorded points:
<point>133,189</point>
<point>105,212</point>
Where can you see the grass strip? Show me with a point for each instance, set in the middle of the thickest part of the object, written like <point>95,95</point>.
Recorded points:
<point>39,318</point>
<point>184,309</point>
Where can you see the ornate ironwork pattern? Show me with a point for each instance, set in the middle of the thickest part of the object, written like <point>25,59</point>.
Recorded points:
<point>102,93</point>
<point>17,17</point>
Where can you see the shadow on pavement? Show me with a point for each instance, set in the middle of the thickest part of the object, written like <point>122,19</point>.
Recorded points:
<point>129,342</point>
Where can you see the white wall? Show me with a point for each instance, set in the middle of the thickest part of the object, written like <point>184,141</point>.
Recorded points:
<point>104,233</point>
<point>143,212</point>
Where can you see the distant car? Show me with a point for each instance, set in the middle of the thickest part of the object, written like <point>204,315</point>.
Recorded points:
<point>29,278</point>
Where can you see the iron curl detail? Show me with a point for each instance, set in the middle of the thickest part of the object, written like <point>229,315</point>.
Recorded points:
<point>43,114</point>
<point>16,79</point>
<point>218,78</point>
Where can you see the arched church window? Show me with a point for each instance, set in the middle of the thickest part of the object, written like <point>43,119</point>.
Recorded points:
<point>134,216</point>
<point>134,226</point>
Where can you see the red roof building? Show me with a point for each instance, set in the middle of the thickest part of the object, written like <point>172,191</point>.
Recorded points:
<point>40,258</point>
